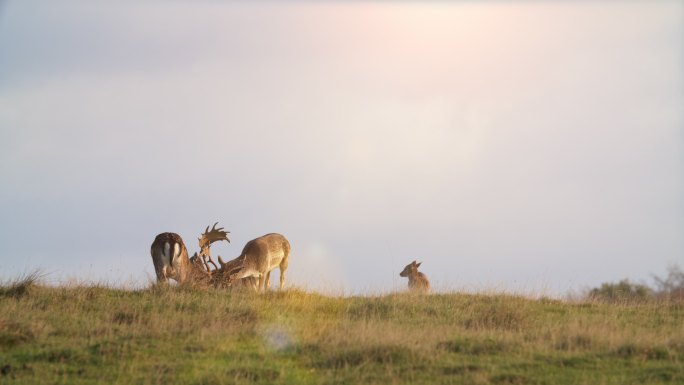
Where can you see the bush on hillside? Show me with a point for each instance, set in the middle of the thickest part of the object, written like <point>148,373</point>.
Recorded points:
<point>621,292</point>
<point>671,286</point>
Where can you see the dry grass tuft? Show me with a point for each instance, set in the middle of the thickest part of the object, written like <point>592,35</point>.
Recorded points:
<point>20,286</point>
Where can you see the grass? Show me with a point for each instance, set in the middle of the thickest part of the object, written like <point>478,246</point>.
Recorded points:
<point>92,335</point>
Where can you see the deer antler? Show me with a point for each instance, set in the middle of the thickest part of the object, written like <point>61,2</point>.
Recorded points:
<point>212,236</point>
<point>207,260</point>
<point>197,261</point>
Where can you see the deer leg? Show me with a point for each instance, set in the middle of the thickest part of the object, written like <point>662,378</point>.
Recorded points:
<point>283,267</point>
<point>268,280</point>
<point>256,283</point>
<point>262,282</point>
<point>160,273</point>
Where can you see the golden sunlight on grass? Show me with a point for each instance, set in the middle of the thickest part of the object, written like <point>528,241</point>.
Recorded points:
<point>170,334</point>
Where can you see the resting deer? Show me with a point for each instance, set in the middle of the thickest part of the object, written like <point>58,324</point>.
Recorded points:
<point>170,257</point>
<point>418,282</point>
<point>258,258</point>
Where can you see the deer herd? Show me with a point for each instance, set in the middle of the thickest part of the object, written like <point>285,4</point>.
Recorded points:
<point>251,269</point>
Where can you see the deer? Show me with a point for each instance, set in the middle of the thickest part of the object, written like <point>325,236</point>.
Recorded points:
<point>258,258</point>
<point>418,281</point>
<point>170,257</point>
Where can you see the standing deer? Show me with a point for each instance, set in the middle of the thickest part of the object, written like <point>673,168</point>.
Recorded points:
<point>170,257</point>
<point>418,282</point>
<point>258,258</point>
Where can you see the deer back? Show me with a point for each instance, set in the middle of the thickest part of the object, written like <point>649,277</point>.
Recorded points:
<point>419,282</point>
<point>265,253</point>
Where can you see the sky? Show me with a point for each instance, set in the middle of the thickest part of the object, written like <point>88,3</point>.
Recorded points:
<point>519,146</point>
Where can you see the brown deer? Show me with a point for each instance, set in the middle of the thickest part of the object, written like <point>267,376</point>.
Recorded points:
<point>170,257</point>
<point>418,282</point>
<point>258,258</point>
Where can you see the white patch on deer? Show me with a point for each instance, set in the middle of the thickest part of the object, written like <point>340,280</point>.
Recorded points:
<point>176,253</point>
<point>166,256</point>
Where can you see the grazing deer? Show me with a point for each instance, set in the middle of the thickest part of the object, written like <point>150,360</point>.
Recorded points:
<point>170,257</point>
<point>258,258</point>
<point>418,282</point>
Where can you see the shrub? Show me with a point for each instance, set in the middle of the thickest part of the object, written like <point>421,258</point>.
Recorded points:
<point>621,292</point>
<point>671,286</point>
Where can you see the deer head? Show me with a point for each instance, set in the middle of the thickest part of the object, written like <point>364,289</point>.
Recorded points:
<point>410,269</point>
<point>205,241</point>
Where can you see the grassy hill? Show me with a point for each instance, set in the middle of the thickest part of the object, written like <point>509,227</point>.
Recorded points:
<point>167,335</point>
